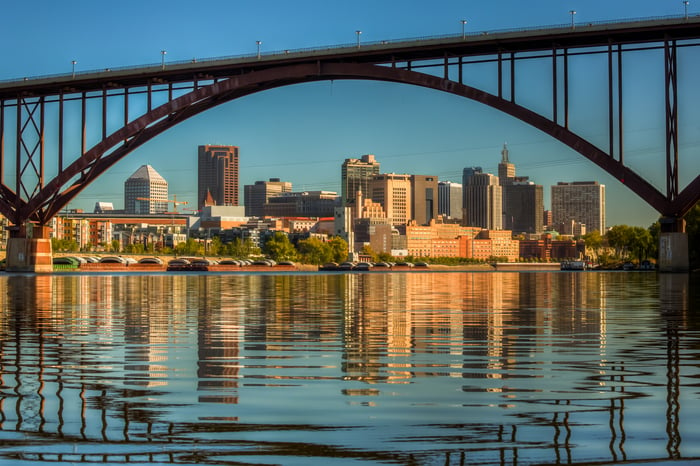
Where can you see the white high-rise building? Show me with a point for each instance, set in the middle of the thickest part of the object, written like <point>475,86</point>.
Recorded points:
<point>145,192</point>
<point>580,202</point>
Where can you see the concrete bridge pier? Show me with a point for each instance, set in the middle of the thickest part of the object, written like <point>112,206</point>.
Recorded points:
<point>673,246</point>
<point>29,249</point>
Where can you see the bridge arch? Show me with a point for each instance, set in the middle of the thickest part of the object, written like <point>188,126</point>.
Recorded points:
<point>68,184</point>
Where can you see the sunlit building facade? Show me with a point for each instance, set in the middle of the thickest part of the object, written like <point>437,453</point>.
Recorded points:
<point>217,175</point>
<point>579,202</point>
<point>145,192</point>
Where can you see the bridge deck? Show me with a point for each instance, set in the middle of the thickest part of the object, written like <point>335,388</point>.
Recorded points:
<point>438,48</point>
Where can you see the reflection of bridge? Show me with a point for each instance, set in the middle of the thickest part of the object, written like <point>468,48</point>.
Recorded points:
<point>79,125</point>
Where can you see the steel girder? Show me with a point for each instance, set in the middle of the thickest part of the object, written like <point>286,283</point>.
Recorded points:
<point>32,199</point>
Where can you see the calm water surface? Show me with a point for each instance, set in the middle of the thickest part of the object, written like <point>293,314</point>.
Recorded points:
<point>413,368</point>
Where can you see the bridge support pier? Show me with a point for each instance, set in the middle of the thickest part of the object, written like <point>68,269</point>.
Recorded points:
<point>673,246</point>
<point>29,249</point>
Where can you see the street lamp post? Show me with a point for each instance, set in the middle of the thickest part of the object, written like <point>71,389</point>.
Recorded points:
<point>572,13</point>
<point>162,59</point>
<point>464,22</point>
<point>258,43</point>
<point>685,5</point>
<point>358,38</point>
<point>73,62</point>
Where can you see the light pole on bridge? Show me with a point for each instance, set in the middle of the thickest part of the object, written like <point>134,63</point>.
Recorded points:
<point>73,62</point>
<point>162,59</point>
<point>464,22</point>
<point>572,13</point>
<point>685,5</point>
<point>358,32</point>
<point>258,43</point>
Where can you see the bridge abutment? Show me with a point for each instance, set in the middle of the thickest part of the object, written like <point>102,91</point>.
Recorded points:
<point>673,246</point>
<point>29,250</point>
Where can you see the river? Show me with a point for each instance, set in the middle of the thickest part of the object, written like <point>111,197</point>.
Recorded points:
<point>415,368</point>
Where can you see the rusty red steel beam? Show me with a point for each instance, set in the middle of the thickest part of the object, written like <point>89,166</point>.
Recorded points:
<point>161,118</point>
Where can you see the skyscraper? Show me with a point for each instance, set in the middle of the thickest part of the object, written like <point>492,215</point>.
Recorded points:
<point>579,202</point>
<point>217,175</point>
<point>484,203</point>
<point>145,192</point>
<point>523,207</point>
<point>467,173</point>
<point>356,175</point>
<point>255,196</point>
<point>424,198</point>
<point>450,199</point>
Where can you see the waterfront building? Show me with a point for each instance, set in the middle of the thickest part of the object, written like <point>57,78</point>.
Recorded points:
<point>356,175</point>
<point>546,247</point>
<point>450,199</point>
<point>95,231</point>
<point>217,175</point>
<point>255,196</point>
<point>145,192</point>
<point>581,202</point>
<point>484,204</point>
<point>437,239</point>
<point>302,204</point>
<point>393,192</point>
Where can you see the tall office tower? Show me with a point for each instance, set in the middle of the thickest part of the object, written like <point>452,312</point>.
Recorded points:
<point>255,196</point>
<point>579,202</point>
<point>393,192</point>
<point>217,175</point>
<point>484,204</point>
<point>523,207</point>
<point>450,199</point>
<point>424,198</point>
<point>506,170</point>
<point>356,175</point>
<point>467,173</point>
<point>145,192</point>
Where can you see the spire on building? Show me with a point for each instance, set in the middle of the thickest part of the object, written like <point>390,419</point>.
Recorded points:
<point>504,153</point>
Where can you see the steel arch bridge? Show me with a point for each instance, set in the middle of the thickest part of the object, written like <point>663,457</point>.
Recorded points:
<point>58,134</point>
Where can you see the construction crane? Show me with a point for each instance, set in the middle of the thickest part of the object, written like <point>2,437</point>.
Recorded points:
<point>174,201</point>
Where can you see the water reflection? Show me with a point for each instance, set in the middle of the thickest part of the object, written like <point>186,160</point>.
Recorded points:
<point>409,368</point>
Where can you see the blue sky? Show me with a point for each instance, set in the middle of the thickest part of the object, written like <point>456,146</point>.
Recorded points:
<point>303,133</point>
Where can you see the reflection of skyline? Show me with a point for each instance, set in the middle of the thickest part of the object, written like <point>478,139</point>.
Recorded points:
<point>103,344</point>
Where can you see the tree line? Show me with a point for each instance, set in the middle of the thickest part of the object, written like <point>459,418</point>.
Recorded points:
<point>619,243</point>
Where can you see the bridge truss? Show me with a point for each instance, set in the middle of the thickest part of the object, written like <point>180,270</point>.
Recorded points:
<point>59,134</point>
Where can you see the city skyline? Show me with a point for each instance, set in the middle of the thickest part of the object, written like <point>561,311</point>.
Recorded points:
<point>303,133</point>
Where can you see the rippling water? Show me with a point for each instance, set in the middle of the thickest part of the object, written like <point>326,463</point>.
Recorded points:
<point>375,368</point>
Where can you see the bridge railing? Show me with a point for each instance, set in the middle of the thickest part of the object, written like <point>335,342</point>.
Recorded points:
<point>330,48</point>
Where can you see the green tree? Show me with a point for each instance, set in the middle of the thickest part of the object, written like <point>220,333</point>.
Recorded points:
<point>191,247</point>
<point>692,227</point>
<point>640,243</point>
<point>594,242</point>
<point>619,238</point>
<point>279,248</point>
<point>215,246</point>
<point>242,249</point>
<point>314,251</point>
<point>339,249</point>
<point>114,245</point>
